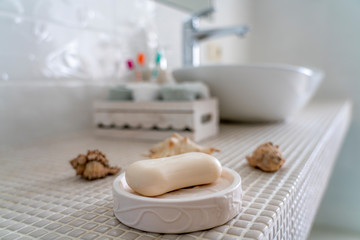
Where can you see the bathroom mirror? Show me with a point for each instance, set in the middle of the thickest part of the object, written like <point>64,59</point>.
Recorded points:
<point>189,6</point>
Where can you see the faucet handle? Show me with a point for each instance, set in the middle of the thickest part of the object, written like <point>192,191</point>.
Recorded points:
<point>203,13</point>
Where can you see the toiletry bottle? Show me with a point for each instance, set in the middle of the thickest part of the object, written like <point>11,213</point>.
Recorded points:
<point>131,67</point>
<point>140,67</point>
<point>156,66</point>
<point>162,69</point>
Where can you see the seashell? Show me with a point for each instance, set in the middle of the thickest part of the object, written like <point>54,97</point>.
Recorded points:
<point>267,157</point>
<point>93,165</point>
<point>176,144</point>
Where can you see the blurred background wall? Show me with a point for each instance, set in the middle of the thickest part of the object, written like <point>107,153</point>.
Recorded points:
<point>323,34</point>
<point>57,56</point>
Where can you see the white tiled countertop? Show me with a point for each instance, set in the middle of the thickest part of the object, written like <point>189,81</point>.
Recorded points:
<point>41,198</point>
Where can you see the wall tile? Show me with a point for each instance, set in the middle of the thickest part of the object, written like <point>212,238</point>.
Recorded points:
<point>73,39</point>
<point>136,13</point>
<point>57,56</point>
<point>43,50</point>
<point>29,47</point>
<point>19,50</point>
<point>91,14</point>
<point>32,112</point>
<point>13,6</point>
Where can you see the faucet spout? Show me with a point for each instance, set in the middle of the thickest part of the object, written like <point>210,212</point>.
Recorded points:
<point>240,30</point>
<point>192,35</point>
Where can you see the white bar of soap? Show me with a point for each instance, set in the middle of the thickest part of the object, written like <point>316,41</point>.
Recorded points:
<point>158,176</point>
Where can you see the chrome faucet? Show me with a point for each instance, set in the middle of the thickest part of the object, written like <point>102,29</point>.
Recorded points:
<point>192,35</point>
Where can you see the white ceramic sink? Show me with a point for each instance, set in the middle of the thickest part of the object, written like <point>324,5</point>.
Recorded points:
<point>256,92</point>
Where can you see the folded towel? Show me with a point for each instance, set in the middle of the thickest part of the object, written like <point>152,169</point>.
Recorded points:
<point>120,93</point>
<point>175,92</point>
<point>184,92</point>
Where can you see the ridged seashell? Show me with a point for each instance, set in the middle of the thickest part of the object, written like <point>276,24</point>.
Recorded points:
<point>176,144</point>
<point>267,157</point>
<point>93,165</point>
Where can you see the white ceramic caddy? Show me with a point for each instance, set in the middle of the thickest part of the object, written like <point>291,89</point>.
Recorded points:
<point>184,210</point>
<point>256,92</point>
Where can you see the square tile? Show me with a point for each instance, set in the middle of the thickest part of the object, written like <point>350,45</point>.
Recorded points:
<point>38,233</point>
<point>76,233</point>
<point>146,238</point>
<point>64,229</point>
<point>55,216</point>
<point>77,222</point>
<point>41,223</point>
<point>78,213</point>
<point>113,222</point>
<point>186,237</point>
<point>101,210</point>
<point>101,219</point>
<point>89,226</point>
<point>26,230</point>
<point>66,219</point>
<point>105,238</point>
<point>89,236</point>
<point>102,229</point>
<point>7,223</point>
<point>130,236</point>
<point>4,232</point>
<point>16,226</point>
<point>213,235</point>
<point>235,231</point>
<point>25,238</point>
<point>229,237</point>
<point>89,216</point>
<point>116,232</point>
<point>11,215</point>
<point>50,236</point>
<point>11,236</point>
<point>53,226</point>
<point>169,236</point>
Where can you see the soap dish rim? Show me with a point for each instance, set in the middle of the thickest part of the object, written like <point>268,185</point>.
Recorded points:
<point>234,185</point>
<point>179,215</point>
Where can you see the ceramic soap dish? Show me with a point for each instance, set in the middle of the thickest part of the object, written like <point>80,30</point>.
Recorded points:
<point>184,210</point>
